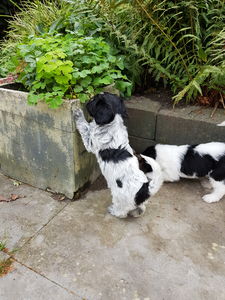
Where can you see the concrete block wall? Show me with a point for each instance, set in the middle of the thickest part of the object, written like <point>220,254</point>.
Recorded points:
<point>150,122</point>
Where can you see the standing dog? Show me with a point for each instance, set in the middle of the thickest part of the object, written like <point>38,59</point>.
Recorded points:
<point>193,162</point>
<point>107,137</point>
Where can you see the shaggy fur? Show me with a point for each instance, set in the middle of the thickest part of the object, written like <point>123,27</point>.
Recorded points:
<point>107,137</point>
<point>193,161</point>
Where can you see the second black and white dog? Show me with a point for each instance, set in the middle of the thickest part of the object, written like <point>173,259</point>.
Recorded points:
<point>193,161</point>
<point>106,136</point>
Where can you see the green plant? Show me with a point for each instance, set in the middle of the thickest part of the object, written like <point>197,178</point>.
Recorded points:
<point>46,15</point>
<point>6,64</point>
<point>5,266</point>
<point>180,43</point>
<point>52,67</point>
<point>2,245</point>
<point>43,13</point>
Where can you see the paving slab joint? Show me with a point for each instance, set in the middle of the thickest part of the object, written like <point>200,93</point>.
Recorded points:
<point>46,224</point>
<point>45,277</point>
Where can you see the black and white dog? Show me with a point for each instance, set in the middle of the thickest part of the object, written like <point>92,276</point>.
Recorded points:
<point>106,136</point>
<point>193,162</point>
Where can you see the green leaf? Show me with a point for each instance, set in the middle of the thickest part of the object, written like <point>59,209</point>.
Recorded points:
<point>90,90</point>
<point>66,69</point>
<point>202,55</point>
<point>102,81</point>
<point>78,89</point>
<point>86,81</point>
<point>83,97</point>
<point>62,79</point>
<point>125,87</point>
<point>32,99</point>
<point>98,69</point>
<point>39,85</point>
<point>55,102</point>
<point>84,73</point>
<point>120,63</point>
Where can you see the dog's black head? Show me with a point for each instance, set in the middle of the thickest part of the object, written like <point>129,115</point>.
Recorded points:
<point>103,108</point>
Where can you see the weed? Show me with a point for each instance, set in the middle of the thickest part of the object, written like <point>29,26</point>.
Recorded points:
<point>5,266</point>
<point>2,245</point>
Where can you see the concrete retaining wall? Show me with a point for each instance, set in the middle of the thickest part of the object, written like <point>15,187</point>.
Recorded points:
<point>150,122</point>
<point>41,147</point>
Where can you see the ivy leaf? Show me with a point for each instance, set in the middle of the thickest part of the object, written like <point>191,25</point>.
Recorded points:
<point>125,87</point>
<point>84,73</point>
<point>90,90</point>
<point>66,69</point>
<point>39,85</point>
<point>98,69</point>
<point>86,81</point>
<point>33,99</point>
<point>83,97</point>
<point>103,81</point>
<point>78,89</point>
<point>55,102</point>
<point>62,79</point>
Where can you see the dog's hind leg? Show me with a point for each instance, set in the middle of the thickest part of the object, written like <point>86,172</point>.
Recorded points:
<point>205,183</point>
<point>217,180</point>
<point>155,177</point>
<point>218,191</point>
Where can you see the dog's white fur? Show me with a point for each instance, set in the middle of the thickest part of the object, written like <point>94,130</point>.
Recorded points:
<point>170,158</point>
<point>114,135</point>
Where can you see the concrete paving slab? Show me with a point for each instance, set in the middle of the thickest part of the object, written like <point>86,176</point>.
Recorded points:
<point>3,256</point>
<point>24,284</point>
<point>175,251</point>
<point>21,219</point>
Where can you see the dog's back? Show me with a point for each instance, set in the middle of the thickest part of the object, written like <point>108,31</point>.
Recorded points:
<point>193,161</point>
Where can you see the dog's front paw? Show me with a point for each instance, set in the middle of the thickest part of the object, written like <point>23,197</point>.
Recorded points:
<point>111,209</point>
<point>137,212</point>
<point>77,114</point>
<point>210,198</point>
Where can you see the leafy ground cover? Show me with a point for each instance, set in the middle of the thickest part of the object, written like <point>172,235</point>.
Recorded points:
<point>68,66</point>
<point>178,44</point>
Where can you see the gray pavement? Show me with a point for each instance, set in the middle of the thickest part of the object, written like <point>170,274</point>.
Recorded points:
<point>76,250</point>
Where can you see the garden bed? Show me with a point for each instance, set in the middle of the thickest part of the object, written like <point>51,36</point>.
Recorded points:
<point>40,146</point>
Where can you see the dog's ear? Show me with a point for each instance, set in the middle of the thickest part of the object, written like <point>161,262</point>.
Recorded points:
<point>123,111</point>
<point>91,105</point>
<point>117,104</point>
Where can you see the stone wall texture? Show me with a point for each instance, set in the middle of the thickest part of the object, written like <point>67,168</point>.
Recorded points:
<point>150,122</point>
<point>41,147</point>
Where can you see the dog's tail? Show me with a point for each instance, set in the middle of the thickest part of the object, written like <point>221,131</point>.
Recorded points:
<point>155,175</point>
